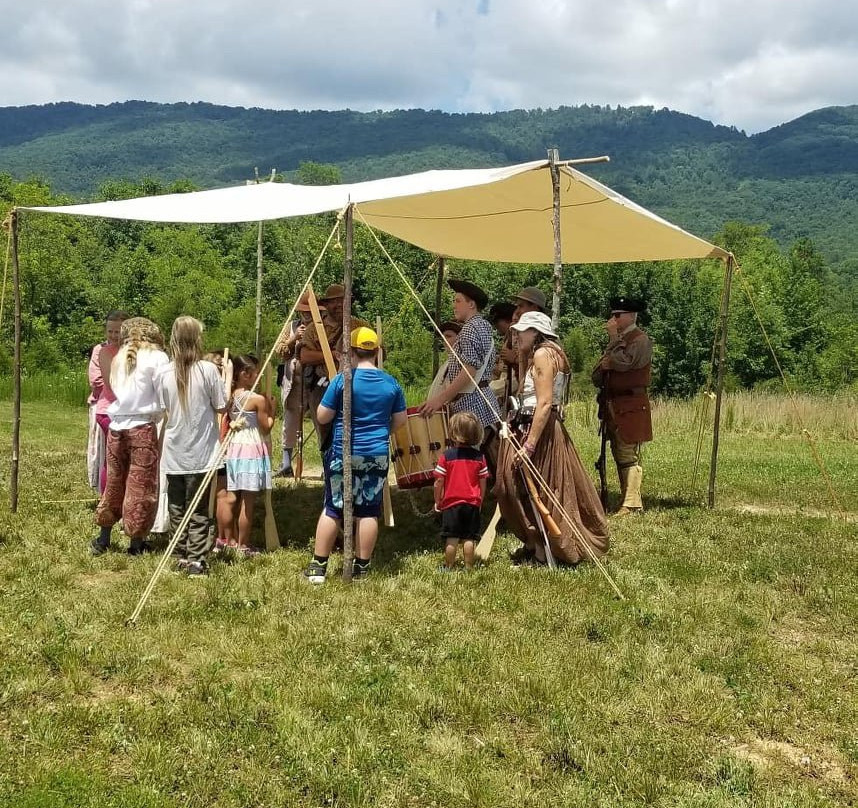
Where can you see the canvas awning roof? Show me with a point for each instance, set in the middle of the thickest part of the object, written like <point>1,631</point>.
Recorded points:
<point>493,214</point>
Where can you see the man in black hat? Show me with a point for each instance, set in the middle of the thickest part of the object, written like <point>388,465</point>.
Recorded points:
<point>623,376</point>
<point>476,348</point>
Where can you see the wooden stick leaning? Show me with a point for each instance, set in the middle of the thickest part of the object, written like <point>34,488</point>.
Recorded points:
<point>322,335</point>
<point>272,537</point>
<point>220,417</point>
<point>387,504</point>
<point>487,540</point>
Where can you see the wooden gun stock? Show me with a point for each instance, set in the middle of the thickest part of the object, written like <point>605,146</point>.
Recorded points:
<point>552,528</point>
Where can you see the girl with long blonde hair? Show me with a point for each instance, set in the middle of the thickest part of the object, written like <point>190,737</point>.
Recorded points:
<point>131,490</point>
<point>192,394</point>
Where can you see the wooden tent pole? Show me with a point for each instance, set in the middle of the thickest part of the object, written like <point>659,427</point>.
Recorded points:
<point>439,291</point>
<point>16,382</point>
<point>346,369</point>
<point>258,341</point>
<point>259,266</point>
<point>719,385</point>
<point>553,164</point>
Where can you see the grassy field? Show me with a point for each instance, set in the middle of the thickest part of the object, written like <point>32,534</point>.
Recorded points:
<point>727,677</point>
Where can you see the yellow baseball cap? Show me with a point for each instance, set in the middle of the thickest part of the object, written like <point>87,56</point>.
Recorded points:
<point>364,338</point>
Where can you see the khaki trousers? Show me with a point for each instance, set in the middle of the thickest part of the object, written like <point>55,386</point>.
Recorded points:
<point>627,457</point>
<point>293,409</point>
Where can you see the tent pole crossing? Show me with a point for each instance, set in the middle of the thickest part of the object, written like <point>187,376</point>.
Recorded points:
<point>719,385</point>
<point>16,381</point>
<point>553,160</point>
<point>346,367</point>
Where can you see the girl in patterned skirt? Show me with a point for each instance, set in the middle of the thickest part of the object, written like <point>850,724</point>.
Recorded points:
<point>248,465</point>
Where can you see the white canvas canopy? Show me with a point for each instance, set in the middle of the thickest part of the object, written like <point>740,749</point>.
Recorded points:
<point>492,214</point>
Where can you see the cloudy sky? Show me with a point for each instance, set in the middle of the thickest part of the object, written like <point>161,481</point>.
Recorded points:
<point>749,63</point>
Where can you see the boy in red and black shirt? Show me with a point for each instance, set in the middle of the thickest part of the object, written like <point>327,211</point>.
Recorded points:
<point>460,485</point>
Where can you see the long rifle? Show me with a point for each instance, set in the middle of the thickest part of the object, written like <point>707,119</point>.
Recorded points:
<point>541,515</point>
<point>601,462</point>
<point>602,466</point>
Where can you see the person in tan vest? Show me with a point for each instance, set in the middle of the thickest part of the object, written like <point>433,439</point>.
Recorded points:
<point>623,376</point>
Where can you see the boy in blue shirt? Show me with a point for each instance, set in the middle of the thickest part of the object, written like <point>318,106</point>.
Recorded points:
<point>378,405</point>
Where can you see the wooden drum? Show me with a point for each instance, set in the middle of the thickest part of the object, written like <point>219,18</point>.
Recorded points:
<point>416,447</point>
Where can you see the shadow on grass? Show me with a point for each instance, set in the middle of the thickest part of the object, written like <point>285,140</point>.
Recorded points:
<point>673,501</point>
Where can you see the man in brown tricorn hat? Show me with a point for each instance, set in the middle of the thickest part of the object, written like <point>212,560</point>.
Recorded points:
<point>623,376</point>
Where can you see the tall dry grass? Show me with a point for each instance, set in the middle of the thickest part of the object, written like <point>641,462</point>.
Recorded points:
<point>746,412</point>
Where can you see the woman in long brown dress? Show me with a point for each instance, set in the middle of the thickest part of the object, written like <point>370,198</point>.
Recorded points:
<point>538,425</point>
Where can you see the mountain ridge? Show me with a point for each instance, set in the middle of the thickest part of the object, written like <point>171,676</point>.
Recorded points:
<point>800,178</point>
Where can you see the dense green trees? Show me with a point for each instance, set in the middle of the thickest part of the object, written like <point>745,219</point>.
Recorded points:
<point>74,270</point>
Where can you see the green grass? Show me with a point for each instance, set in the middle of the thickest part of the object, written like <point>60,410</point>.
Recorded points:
<point>727,678</point>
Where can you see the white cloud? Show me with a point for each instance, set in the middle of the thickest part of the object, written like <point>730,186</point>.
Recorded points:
<point>754,64</point>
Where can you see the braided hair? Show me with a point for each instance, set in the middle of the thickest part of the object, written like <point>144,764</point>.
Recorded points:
<point>137,333</point>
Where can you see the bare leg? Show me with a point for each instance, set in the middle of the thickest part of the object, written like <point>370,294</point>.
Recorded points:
<point>366,534</point>
<point>226,507</point>
<point>468,552</point>
<point>450,553</point>
<point>327,529</point>
<point>246,501</point>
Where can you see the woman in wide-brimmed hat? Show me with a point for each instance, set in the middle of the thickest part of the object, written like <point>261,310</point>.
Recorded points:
<point>538,424</point>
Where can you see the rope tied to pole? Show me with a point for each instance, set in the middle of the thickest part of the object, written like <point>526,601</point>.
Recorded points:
<point>525,457</point>
<point>817,458</point>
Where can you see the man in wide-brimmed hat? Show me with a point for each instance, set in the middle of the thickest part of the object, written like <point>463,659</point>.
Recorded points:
<point>476,349</point>
<point>623,376</point>
<point>291,382</point>
<point>313,360</point>
<point>530,298</point>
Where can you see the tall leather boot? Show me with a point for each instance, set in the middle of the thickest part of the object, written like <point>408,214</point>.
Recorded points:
<point>630,481</point>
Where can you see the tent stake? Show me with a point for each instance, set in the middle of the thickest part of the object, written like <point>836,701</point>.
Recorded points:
<point>719,385</point>
<point>439,291</point>
<point>346,369</point>
<point>553,160</point>
<point>16,382</point>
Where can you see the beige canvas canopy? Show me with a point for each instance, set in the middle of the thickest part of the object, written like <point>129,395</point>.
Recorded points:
<point>493,214</point>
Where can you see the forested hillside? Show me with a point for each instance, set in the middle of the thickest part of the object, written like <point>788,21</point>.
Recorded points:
<point>784,201</point>
<point>801,179</point>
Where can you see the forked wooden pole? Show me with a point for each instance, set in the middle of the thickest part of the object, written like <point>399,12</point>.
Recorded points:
<point>16,381</point>
<point>553,164</point>
<point>346,368</point>
<point>719,386</point>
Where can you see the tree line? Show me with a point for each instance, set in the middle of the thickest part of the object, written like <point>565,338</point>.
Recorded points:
<point>74,270</point>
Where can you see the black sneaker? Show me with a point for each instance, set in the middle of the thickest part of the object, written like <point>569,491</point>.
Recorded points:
<point>197,569</point>
<point>97,547</point>
<point>315,572</point>
<point>285,472</point>
<point>138,547</point>
<point>360,572</point>
<point>523,555</point>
